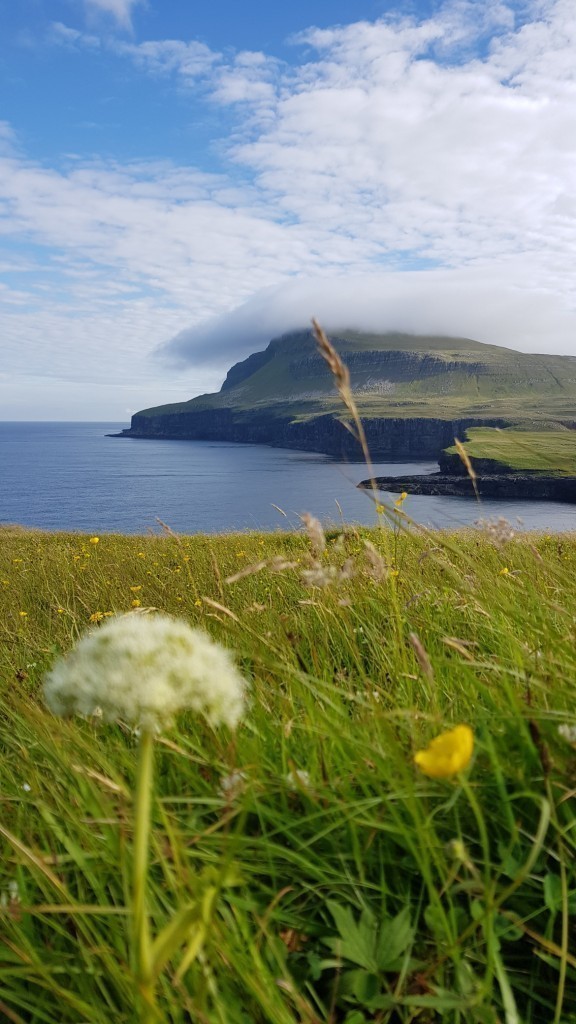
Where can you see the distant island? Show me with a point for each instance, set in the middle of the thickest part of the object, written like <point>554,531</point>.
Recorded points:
<point>415,393</point>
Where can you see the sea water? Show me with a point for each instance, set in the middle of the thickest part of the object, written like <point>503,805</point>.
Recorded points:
<point>72,476</point>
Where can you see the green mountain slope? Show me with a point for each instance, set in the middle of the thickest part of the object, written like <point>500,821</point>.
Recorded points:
<point>394,376</point>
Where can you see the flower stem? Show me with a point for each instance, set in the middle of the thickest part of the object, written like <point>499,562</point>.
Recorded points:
<point>140,922</point>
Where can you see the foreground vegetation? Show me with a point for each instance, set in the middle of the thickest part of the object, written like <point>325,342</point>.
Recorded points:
<point>310,871</point>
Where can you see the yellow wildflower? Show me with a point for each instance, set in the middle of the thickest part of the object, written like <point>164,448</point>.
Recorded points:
<point>394,572</point>
<point>141,554</point>
<point>400,501</point>
<point>504,571</point>
<point>23,615</point>
<point>447,754</point>
<point>96,617</point>
<point>135,589</point>
<point>380,509</point>
<point>198,602</point>
<point>94,540</point>
<point>240,554</point>
<point>136,603</point>
<point>60,611</point>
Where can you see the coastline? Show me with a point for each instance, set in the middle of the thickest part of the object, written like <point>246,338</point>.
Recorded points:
<point>506,486</point>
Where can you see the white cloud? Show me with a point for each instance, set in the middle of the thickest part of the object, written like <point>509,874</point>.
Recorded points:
<point>468,303</point>
<point>121,10</point>
<point>190,59</point>
<point>446,143</point>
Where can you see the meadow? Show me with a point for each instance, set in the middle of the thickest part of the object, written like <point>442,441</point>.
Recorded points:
<point>302,868</point>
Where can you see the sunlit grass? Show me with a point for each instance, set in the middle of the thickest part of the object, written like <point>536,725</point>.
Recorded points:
<point>326,878</point>
<point>551,451</point>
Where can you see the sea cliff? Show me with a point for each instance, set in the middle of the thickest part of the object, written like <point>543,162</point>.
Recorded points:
<point>508,485</point>
<point>393,438</point>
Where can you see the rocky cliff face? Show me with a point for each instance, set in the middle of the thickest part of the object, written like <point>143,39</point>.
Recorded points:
<point>387,438</point>
<point>513,486</point>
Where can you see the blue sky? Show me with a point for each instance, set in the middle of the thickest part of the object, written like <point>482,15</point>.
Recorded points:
<point>180,181</point>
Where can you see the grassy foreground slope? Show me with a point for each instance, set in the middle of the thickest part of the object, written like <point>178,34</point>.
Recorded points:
<point>396,375</point>
<point>326,879</point>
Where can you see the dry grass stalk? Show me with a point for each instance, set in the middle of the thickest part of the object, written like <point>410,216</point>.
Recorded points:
<point>421,656</point>
<point>341,375</point>
<point>276,564</point>
<point>315,532</point>
<point>468,463</point>
<point>376,564</point>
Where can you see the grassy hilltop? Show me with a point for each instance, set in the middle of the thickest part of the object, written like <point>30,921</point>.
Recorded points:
<point>302,870</point>
<point>396,375</point>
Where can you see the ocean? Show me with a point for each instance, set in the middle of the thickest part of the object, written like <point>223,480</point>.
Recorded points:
<point>72,476</point>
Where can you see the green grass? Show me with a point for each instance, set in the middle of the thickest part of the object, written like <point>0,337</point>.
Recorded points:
<point>551,451</point>
<point>360,892</point>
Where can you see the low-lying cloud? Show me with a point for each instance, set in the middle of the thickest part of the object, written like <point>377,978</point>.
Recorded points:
<point>457,303</point>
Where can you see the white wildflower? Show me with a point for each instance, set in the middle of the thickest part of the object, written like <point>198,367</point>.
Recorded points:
<point>26,787</point>
<point>298,779</point>
<point>232,785</point>
<point>568,733</point>
<point>144,669</point>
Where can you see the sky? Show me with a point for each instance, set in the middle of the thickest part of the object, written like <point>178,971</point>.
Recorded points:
<point>181,181</point>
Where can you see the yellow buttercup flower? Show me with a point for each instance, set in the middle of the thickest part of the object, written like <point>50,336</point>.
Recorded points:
<point>94,540</point>
<point>400,501</point>
<point>135,589</point>
<point>447,754</point>
<point>23,615</point>
<point>380,509</point>
<point>96,617</point>
<point>136,603</point>
<point>504,571</point>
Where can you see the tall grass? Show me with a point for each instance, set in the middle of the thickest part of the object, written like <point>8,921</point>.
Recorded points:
<point>324,878</point>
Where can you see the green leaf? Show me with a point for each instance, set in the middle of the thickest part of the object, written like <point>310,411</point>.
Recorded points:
<point>552,892</point>
<point>395,937</point>
<point>357,940</point>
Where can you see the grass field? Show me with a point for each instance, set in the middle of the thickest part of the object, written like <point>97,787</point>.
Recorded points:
<point>302,869</point>
<point>552,451</point>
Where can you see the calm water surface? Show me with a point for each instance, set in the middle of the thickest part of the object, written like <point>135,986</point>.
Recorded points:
<point>71,476</point>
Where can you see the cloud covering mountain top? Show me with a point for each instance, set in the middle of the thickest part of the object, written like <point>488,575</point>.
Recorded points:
<point>457,303</point>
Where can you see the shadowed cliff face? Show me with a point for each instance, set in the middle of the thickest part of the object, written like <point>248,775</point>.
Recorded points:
<point>512,486</point>
<point>387,438</point>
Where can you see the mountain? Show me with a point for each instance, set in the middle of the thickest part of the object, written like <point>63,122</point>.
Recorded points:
<point>415,393</point>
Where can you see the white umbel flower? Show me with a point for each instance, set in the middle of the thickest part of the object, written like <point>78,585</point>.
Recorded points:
<point>144,669</point>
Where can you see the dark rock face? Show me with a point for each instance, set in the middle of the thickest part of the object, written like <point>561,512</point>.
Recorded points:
<point>512,485</point>
<point>241,371</point>
<point>451,465</point>
<point>387,438</point>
